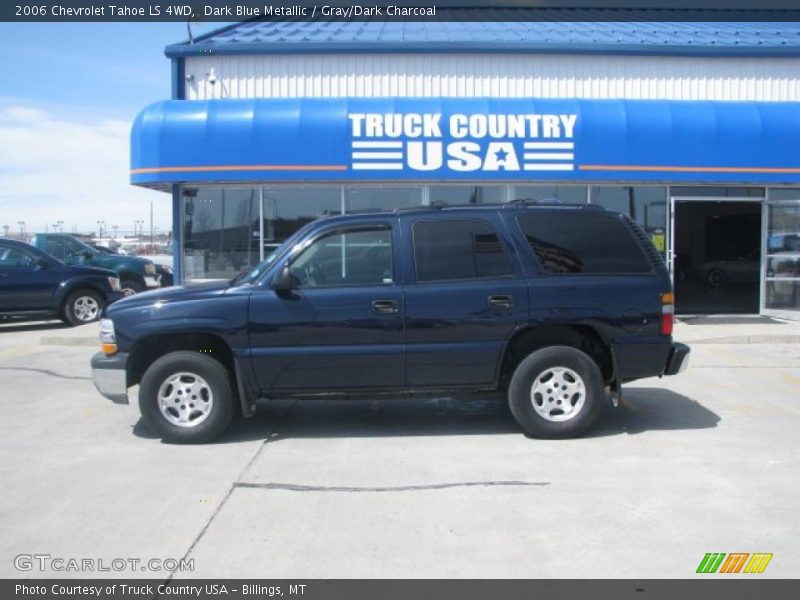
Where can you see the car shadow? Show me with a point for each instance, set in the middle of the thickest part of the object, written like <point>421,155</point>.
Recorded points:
<point>644,409</point>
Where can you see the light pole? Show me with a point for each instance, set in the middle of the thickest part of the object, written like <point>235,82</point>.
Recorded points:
<point>100,227</point>
<point>60,225</point>
<point>115,227</point>
<point>137,228</point>
<point>21,228</point>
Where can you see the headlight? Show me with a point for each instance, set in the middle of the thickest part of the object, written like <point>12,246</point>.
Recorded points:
<point>108,338</point>
<point>150,269</point>
<point>114,283</point>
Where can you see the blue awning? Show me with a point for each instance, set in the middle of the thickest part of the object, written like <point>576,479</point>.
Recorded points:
<point>471,139</point>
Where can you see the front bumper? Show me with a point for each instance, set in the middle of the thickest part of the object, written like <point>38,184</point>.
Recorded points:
<point>678,359</point>
<point>110,376</point>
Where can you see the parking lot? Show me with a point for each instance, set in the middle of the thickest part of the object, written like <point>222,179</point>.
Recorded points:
<point>702,462</point>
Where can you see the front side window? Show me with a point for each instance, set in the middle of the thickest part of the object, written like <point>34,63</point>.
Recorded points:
<point>356,257</point>
<point>76,249</point>
<point>446,250</point>
<point>55,247</point>
<point>570,243</point>
<point>16,257</point>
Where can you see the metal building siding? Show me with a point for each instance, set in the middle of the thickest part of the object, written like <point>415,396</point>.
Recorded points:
<point>498,75</point>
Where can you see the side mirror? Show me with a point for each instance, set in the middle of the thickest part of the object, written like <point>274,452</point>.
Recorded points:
<point>87,255</point>
<point>284,281</point>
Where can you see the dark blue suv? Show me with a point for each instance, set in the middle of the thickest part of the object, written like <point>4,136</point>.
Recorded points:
<point>34,284</point>
<point>551,303</point>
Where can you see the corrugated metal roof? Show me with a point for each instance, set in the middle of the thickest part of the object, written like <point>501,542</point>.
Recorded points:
<point>620,37</point>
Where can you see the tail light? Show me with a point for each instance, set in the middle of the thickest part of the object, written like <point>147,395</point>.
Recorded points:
<point>667,313</point>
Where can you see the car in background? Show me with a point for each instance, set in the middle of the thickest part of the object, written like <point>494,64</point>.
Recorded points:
<point>34,284</point>
<point>103,249</point>
<point>743,269</point>
<point>166,276</point>
<point>136,274</point>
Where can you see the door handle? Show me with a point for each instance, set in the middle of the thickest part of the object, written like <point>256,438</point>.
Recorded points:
<point>384,307</point>
<point>501,301</point>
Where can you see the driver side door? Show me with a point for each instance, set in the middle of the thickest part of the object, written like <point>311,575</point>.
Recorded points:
<point>341,328</point>
<point>25,285</point>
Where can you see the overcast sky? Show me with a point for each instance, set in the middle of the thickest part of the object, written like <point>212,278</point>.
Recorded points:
<point>68,96</point>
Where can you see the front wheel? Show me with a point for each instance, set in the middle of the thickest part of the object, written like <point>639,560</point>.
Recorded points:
<point>556,392</point>
<point>82,306</point>
<point>130,287</point>
<point>186,397</point>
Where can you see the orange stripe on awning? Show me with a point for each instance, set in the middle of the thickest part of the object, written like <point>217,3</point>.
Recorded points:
<point>689,169</point>
<point>239,168</point>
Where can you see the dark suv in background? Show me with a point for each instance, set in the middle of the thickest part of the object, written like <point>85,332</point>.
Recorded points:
<point>552,304</point>
<point>34,284</point>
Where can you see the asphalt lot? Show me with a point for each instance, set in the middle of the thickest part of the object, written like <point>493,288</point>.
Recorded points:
<point>702,462</point>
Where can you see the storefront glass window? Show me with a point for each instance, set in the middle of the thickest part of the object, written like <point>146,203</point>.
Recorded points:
<point>381,197</point>
<point>565,194</point>
<point>716,191</point>
<point>468,194</point>
<point>288,208</point>
<point>783,250</point>
<point>647,205</point>
<point>218,226</point>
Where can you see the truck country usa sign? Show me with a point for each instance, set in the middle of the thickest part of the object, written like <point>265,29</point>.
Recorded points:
<point>462,142</point>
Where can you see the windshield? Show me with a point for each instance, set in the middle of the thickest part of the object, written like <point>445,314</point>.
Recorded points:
<point>273,256</point>
<point>75,246</point>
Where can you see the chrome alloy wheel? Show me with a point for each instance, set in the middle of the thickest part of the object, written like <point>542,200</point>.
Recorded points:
<point>558,394</point>
<point>185,399</point>
<point>86,309</point>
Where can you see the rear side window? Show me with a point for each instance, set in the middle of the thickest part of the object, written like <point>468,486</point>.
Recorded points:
<point>570,243</point>
<point>446,250</point>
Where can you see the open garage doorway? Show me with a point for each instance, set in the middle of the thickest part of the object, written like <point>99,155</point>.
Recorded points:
<point>717,256</point>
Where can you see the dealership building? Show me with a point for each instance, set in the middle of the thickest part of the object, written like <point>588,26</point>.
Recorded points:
<point>690,128</point>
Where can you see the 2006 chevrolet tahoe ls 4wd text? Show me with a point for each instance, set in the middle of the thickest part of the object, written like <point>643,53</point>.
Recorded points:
<point>551,303</point>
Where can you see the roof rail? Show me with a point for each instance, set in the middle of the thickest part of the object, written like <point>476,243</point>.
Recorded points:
<point>549,202</point>
<point>435,205</point>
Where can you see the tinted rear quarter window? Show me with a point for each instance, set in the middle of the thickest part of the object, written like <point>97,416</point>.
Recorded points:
<point>455,249</point>
<point>580,243</point>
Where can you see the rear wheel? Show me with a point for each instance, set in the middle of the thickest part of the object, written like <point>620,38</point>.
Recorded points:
<point>186,397</point>
<point>556,392</point>
<point>82,306</point>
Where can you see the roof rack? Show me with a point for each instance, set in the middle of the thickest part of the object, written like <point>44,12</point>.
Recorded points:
<point>435,205</point>
<point>549,202</point>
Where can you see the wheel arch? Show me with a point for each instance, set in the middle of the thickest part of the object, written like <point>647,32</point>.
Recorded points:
<point>147,350</point>
<point>132,275</point>
<point>534,337</point>
<point>73,286</point>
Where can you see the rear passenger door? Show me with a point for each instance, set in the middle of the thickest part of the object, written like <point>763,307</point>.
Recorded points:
<point>464,297</point>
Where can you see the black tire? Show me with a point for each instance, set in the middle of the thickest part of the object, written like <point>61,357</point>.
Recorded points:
<point>131,287</point>
<point>534,370</point>
<point>219,382</point>
<point>82,306</point>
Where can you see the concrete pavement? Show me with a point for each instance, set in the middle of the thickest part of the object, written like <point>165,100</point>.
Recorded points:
<point>705,461</point>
